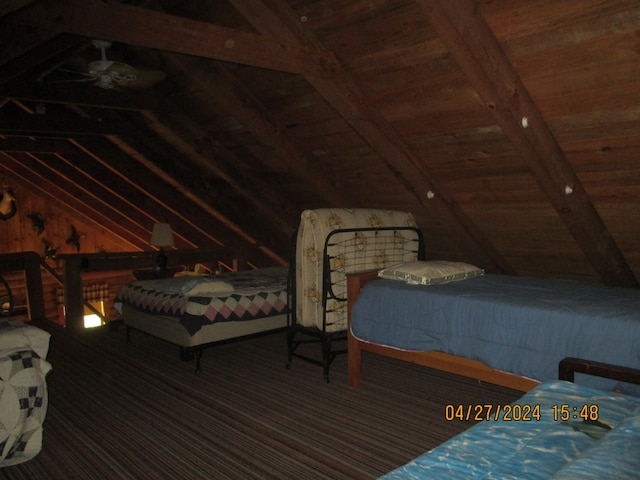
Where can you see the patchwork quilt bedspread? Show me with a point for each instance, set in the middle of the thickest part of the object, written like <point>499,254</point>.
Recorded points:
<point>23,390</point>
<point>199,301</point>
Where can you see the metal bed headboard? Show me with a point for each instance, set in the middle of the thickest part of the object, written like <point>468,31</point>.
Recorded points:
<point>353,250</point>
<point>348,250</point>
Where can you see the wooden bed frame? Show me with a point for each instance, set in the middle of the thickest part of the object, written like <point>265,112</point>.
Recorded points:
<point>432,359</point>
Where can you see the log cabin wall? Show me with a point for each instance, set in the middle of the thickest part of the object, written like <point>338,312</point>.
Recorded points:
<point>40,226</point>
<point>21,233</point>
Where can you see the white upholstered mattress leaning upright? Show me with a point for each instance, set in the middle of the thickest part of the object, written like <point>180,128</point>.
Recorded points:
<point>315,226</point>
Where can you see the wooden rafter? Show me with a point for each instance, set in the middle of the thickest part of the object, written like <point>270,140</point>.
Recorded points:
<point>466,34</point>
<point>336,86</point>
<point>148,28</point>
<point>208,157</point>
<point>23,54</point>
<point>229,93</point>
<point>131,187</point>
<point>12,5</point>
<point>227,222</point>
<point>52,124</point>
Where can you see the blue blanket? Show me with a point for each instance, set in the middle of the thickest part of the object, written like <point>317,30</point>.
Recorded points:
<point>517,324</point>
<point>518,443</point>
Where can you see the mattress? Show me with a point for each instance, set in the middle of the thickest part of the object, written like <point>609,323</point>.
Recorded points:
<point>519,325</point>
<point>196,302</point>
<point>348,252</point>
<point>171,330</point>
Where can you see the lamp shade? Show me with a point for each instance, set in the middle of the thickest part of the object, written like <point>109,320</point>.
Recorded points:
<point>161,236</point>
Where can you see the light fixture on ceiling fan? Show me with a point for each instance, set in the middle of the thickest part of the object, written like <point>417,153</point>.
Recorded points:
<point>107,74</point>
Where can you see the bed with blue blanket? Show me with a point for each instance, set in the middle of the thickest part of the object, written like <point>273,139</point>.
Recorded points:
<point>507,330</point>
<point>559,430</point>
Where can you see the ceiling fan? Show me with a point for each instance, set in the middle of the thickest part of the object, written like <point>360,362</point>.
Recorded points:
<point>107,74</point>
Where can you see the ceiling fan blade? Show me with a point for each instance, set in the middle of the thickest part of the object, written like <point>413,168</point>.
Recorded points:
<point>76,72</point>
<point>73,80</point>
<point>146,78</point>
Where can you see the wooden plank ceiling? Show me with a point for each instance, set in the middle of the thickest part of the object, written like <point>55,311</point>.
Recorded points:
<point>509,128</point>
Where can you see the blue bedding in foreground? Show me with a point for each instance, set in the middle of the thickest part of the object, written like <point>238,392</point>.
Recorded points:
<point>541,446</point>
<point>517,324</point>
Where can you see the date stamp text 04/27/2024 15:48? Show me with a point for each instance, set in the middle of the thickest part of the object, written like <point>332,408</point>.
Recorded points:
<point>520,413</point>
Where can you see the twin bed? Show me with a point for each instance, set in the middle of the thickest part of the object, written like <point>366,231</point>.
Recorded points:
<point>506,330</point>
<point>195,312</point>
<point>560,430</point>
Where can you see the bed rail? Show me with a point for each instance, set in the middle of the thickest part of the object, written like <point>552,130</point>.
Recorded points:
<point>570,365</point>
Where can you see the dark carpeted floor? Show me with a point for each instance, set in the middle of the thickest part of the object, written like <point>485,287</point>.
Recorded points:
<point>134,410</point>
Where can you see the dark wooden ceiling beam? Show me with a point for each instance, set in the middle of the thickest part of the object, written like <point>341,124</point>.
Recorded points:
<point>207,207</point>
<point>21,55</point>
<point>237,101</point>
<point>87,97</point>
<point>209,155</point>
<point>152,29</point>
<point>92,186</point>
<point>272,17</point>
<point>143,193</point>
<point>54,125</point>
<point>467,35</point>
<point>9,6</point>
<point>205,164</point>
<point>35,145</point>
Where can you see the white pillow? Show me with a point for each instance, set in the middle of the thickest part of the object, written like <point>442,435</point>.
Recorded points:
<point>208,287</point>
<point>430,272</point>
<point>16,336</point>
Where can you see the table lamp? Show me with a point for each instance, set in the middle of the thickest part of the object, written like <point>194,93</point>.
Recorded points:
<point>161,236</point>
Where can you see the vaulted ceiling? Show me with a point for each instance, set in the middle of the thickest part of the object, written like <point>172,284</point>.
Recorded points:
<point>510,128</point>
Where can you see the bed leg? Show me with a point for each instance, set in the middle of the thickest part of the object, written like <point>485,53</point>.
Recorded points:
<point>290,348</point>
<point>128,334</point>
<point>326,357</point>
<point>198,357</point>
<point>354,361</point>
<point>189,353</point>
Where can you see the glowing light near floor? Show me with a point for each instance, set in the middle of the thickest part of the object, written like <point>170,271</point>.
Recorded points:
<point>91,321</point>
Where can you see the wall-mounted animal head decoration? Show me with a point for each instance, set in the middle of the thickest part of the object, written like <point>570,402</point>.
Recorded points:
<point>37,222</point>
<point>7,204</point>
<point>74,238</point>
<point>49,251</point>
